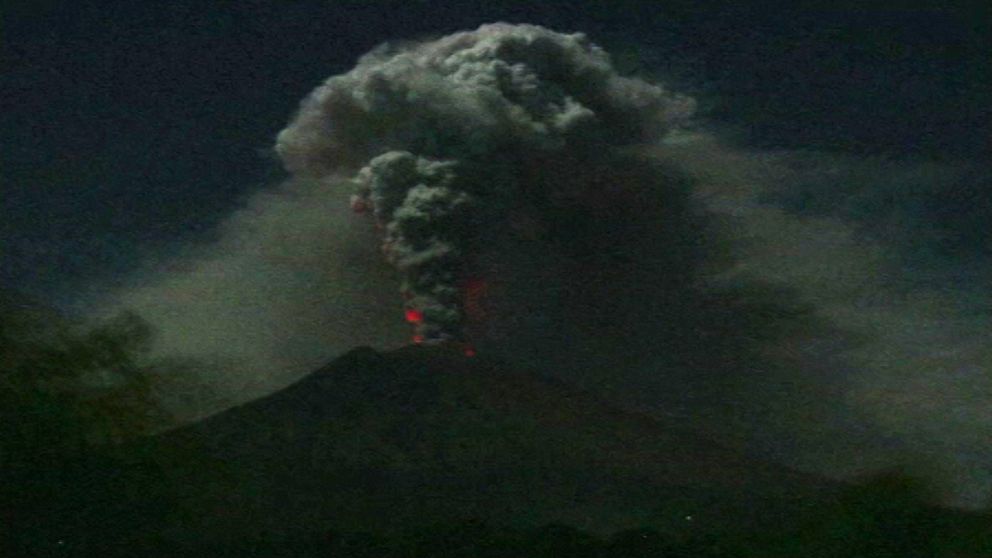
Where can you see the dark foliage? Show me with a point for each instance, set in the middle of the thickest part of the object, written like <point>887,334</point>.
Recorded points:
<point>65,390</point>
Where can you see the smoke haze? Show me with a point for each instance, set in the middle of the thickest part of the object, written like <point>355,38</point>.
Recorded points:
<point>804,306</point>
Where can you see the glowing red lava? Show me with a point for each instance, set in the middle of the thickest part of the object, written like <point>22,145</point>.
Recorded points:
<point>414,316</point>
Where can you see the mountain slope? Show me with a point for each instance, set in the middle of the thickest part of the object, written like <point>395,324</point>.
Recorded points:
<point>419,436</point>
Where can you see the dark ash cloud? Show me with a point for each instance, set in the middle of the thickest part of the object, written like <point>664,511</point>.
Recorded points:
<point>442,135</point>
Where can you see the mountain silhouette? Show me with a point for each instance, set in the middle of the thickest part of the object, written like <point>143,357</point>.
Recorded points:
<point>420,436</point>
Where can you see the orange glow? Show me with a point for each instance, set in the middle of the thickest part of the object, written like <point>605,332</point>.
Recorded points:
<point>473,293</point>
<point>414,316</point>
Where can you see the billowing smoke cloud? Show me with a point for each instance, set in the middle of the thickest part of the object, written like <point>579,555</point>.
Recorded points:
<point>807,307</point>
<point>444,134</point>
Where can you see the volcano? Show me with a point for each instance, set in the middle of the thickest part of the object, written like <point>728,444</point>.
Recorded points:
<point>387,442</point>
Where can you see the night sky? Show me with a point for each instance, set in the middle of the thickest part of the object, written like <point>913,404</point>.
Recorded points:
<point>130,127</point>
<point>855,142</point>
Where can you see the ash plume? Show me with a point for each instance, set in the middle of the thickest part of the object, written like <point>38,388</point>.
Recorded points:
<point>439,138</point>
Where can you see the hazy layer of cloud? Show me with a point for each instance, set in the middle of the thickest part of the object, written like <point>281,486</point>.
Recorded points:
<point>741,292</point>
<point>865,243</point>
<point>292,281</point>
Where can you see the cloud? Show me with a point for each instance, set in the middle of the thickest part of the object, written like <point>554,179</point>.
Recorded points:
<point>442,135</point>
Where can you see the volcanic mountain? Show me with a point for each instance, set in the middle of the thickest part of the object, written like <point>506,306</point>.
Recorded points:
<point>386,442</point>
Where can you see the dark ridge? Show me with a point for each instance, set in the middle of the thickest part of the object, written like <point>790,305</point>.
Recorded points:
<point>393,442</point>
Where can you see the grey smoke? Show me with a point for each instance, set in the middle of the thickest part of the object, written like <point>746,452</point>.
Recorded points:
<point>441,134</point>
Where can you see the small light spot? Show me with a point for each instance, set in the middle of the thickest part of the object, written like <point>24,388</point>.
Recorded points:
<point>414,316</point>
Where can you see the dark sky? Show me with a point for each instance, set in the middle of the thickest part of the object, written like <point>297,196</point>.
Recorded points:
<point>129,127</point>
